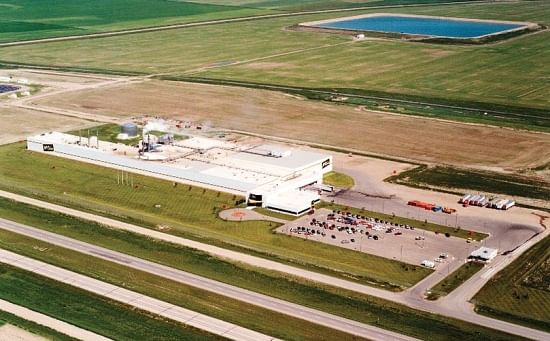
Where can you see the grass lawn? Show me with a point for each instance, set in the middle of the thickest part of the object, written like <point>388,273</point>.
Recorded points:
<point>454,280</point>
<point>187,211</point>
<point>274,214</point>
<point>27,19</point>
<point>460,233</point>
<point>338,301</point>
<point>107,132</point>
<point>460,180</point>
<point>90,311</point>
<point>339,180</point>
<point>35,328</point>
<point>521,292</point>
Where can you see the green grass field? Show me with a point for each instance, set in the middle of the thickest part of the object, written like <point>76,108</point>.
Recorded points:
<point>337,301</point>
<point>191,212</point>
<point>521,292</point>
<point>511,73</point>
<point>339,180</point>
<point>35,328</point>
<point>454,280</point>
<point>199,300</point>
<point>89,311</point>
<point>460,180</point>
<point>28,19</point>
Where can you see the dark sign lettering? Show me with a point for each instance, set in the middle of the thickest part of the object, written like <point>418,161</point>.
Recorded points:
<point>325,163</point>
<point>255,197</point>
<point>47,147</point>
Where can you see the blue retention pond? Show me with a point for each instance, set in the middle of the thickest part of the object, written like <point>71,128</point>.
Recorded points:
<point>426,26</point>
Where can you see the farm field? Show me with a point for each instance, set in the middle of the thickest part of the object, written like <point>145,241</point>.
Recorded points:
<point>521,292</point>
<point>484,181</point>
<point>187,211</point>
<point>40,331</point>
<point>18,123</point>
<point>496,73</point>
<point>308,5</point>
<point>454,280</point>
<point>89,311</point>
<point>341,302</point>
<point>513,72</point>
<point>27,19</point>
<point>277,114</point>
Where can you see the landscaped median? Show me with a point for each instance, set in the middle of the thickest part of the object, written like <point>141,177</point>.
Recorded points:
<point>339,180</point>
<point>341,302</point>
<point>454,280</point>
<point>89,311</point>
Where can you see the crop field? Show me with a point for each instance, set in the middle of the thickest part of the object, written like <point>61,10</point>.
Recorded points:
<point>309,5</point>
<point>509,73</point>
<point>277,114</point>
<point>521,292</point>
<point>28,19</point>
<point>35,328</point>
<point>187,211</point>
<point>88,310</point>
<point>18,123</point>
<point>454,280</point>
<point>337,301</point>
<point>497,73</point>
<point>461,180</point>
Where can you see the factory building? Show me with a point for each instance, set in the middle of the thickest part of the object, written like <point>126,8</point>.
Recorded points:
<point>270,176</point>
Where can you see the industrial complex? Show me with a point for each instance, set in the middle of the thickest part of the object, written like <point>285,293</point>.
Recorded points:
<point>270,176</point>
<point>275,170</point>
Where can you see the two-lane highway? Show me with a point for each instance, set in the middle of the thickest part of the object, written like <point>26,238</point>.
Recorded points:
<point>264,301</point>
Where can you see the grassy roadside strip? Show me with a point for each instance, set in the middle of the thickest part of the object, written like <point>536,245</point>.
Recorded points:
<point>454,232</point>
<point>476,180</point>
<point>274,214</point>
<point>454,280</point>
<point>32,327</point>
<point>519,293</point>
<point>462,111</point>
<point>362,308</point>
<point>187,211</point>
<point>89,311</point>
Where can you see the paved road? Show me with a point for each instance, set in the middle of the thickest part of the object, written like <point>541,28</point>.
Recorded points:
<point>214,22</point>
<point>131,298</point>
<point>45,320</point>
<point>264,301</point>
<point>412,297</point>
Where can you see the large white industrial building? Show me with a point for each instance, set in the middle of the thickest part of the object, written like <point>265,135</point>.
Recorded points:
<point>270,176</point>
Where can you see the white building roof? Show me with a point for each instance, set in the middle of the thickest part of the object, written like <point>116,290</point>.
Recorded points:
<point>484,253</point>
<point>231,169</point>
<point>292,201</point>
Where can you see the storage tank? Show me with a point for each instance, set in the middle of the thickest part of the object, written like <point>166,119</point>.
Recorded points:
<point>129,129</point>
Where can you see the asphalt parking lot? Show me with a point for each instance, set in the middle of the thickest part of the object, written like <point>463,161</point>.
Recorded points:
<point>363,234</point>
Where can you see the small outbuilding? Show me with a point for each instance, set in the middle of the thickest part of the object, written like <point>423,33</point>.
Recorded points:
<point>484,254</point>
